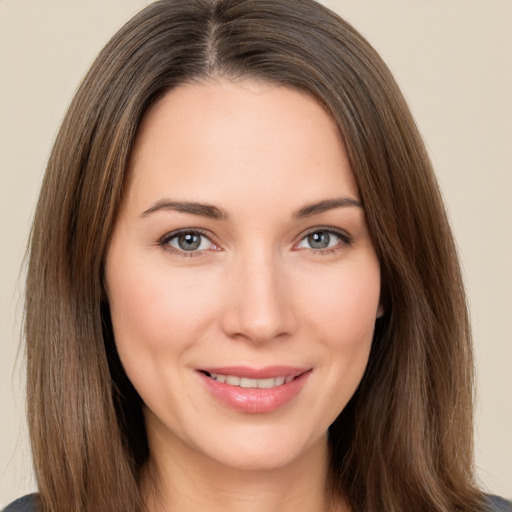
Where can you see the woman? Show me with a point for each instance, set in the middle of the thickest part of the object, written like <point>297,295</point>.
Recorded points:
<point>243,292</point>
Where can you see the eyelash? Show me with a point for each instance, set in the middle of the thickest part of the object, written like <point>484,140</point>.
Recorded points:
<point>164,242</point>
<point>345,241</point>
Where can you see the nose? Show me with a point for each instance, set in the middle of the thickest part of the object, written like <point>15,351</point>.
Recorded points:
<point>259,302</point>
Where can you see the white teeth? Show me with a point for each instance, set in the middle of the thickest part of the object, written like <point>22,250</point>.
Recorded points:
<point>248,383</point>
<point>231,379</point>
<point>266,383</point>
<point>245,382</point>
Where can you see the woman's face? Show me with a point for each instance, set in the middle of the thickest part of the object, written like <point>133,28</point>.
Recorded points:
<point>242,281</point>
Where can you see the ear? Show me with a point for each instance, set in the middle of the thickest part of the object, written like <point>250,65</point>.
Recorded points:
<point>380,311</point>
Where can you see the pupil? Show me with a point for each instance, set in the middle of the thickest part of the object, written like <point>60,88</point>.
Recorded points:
<point>319,240</point>
<point>189,241</point>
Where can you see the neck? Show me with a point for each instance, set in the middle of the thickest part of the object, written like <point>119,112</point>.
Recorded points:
<point>191,482</point>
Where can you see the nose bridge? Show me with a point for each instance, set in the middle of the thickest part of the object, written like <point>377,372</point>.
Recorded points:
<point>260,305</point>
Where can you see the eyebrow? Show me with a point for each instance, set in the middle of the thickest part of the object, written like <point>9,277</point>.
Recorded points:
<point>327,204</point>
<point>214,212</point>
<point>194,208</point>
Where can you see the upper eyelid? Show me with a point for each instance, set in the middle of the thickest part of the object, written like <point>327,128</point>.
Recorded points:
<point>330,229</point>
<point>172,234</point>
<point>327,229</point>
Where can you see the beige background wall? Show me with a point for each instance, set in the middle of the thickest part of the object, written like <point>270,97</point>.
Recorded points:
<point>453,60</point>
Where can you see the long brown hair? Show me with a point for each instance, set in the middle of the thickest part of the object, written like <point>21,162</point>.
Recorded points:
<point>404,441</point>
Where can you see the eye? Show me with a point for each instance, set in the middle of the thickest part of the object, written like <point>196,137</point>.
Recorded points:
<point>322,239</point>
<point>188,242</point>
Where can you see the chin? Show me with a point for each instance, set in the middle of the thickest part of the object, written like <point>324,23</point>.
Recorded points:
<point>263,449</point>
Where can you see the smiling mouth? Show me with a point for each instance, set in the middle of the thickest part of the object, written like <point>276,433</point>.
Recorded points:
<point>246,382</point>
<point>255,390</point>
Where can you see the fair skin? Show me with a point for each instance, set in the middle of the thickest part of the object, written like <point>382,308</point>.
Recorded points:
<point>241,251</point>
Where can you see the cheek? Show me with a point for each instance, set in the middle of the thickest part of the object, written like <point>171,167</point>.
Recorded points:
<point>156,315</point>
<point>343,305</point>
<point>341,315</point>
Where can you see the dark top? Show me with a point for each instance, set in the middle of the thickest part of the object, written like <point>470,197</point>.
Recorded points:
<point>28,504</point>
<point>25,504</point>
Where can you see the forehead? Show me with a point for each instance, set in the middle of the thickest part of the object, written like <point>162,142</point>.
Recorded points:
<point>224,140</point>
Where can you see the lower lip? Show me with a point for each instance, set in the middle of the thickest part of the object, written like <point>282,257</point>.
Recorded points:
<point>255,400</point>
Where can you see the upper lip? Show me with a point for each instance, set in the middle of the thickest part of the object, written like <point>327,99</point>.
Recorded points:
<point>266,372</point>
